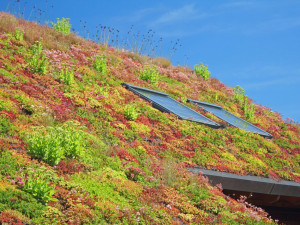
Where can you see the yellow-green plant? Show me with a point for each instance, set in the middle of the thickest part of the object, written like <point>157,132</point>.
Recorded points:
<point>150,73</point>
<point>51,144</point>
<point>249,110</point>
<point>130,112</point>
<point>238,94</point>
<point>66,75</point>
<point>62,25</point>
<point>39,182</point>
<point>100,64</point>
<point>38,62</point>
<point>19,34</point>
<point>202,70</point>
<point>5,125</point>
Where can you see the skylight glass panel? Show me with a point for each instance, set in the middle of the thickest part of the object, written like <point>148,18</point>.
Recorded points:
<point>230,118</point>
<point>165,103</point>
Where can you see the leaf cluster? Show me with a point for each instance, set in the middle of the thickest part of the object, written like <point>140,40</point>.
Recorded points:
<point>150,74</point>
<point>51,144</point>
<point>202,70</point>
<point>62,25</point>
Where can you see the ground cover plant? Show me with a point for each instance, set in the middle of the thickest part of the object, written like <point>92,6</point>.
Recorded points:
<point>78,148</point>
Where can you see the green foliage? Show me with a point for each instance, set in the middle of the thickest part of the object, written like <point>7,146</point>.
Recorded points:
<point>19,34</point>
<point>249,110</point>
<point>66,75</point>
<point>130,112</point>
<point>238,94</point>
<point>100,64</point>
<point>6,126</point>
<point>51,144</point>
<point>150,74</point>
<point>199,194</point>
<point>62,25</point>
<point>9,75</point>
<point>22,202</point>
<point>98,184</point>
<point>25,102</point>
<point>8,164</point>
<point>38,62</point>
<point>240,97</point>
<point>202,70</point>
<point>40,183</point>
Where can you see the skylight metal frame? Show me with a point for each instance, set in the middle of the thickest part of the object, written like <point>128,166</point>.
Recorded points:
<point>205,105</point>
<point>160,107</point>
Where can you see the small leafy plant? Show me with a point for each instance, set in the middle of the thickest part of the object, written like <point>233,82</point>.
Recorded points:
<point>249,110</point>
<point>38,62</point>
<point>150,74</point>
<point>202,70</point>
<point>66,75</point>
<point>130,112</point>
<point>62,25</point>
<point>19,34</point>
<point>238,94</point>
<point>51,144</point>
<point>100,64</point>
<point>39,183</point>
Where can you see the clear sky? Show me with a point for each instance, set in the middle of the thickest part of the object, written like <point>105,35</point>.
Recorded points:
<point>253,43</point>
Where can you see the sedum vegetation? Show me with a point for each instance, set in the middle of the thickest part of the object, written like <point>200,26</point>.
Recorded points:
<point>78,148</point>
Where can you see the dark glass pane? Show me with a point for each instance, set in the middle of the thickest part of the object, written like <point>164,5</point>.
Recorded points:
<point>165,103</point>
<point>230,118</point>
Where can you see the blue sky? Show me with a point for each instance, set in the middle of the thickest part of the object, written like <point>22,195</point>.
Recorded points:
<point>254,44</point>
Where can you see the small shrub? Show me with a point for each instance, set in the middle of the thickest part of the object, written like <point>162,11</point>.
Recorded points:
<point>66,76</point>
<point>100,64</point>
<point>62,25</point>
<point>38,62</point>
<point>130,112</point>
<point>202,70</point>
<point>150,74</point>
<point>52,144</point>
<point>19,34</point>
<point>249,110</point>
<point>238,94</point>
<point>39,183</point>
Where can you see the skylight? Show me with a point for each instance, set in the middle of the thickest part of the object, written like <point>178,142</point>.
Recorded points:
<point>230,118</point>
<point>165,103</point>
